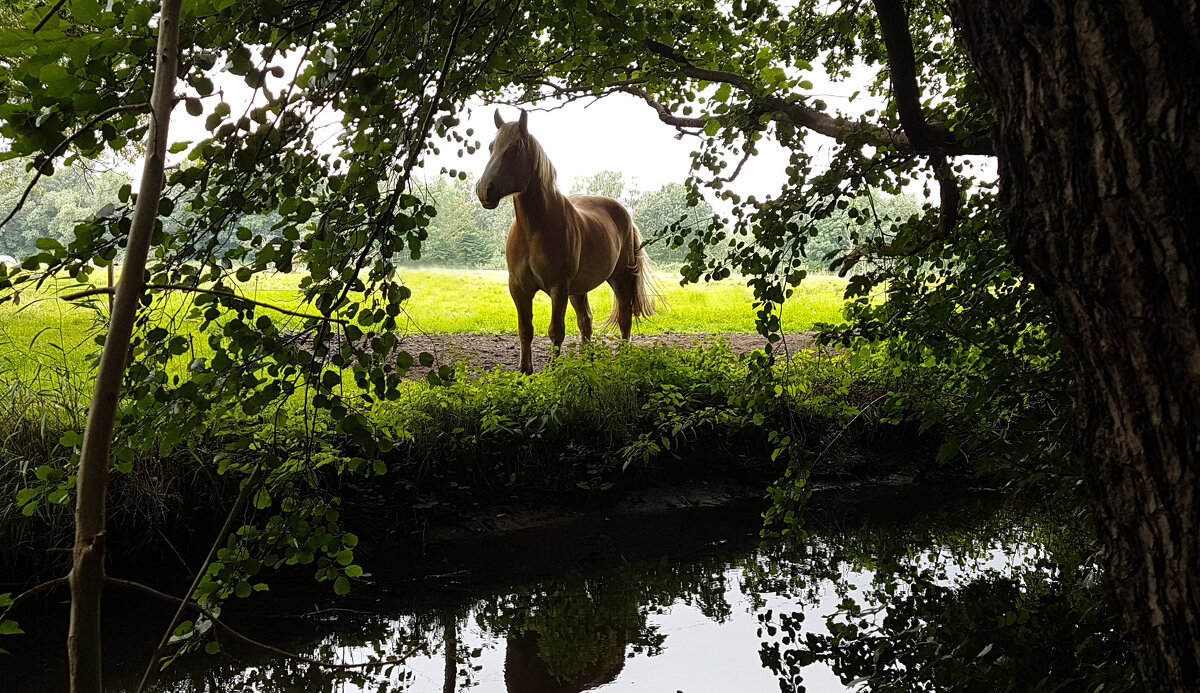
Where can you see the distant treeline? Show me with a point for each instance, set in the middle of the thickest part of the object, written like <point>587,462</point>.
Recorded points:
<point>463,234</point>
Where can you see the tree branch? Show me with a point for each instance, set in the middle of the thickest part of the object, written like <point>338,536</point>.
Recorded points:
<point>902,64</point>
<point>33,591</point>
<point>211,292</point>
<point>686,67</point>
<point>230,518</point>
<point>664,113</point>
<point>246,640</point>
<point>53,11</point>
<point>932,141</point>
<point>62,146</point>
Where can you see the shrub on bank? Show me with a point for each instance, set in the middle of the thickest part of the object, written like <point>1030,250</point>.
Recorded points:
<point>590,421</point>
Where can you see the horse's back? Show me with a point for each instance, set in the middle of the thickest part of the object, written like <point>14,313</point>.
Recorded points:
<point>603,209</point>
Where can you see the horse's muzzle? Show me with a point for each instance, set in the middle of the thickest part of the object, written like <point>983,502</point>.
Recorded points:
<point>484,193</point>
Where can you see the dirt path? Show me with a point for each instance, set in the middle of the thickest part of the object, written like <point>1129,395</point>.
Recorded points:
<point>487,351</point>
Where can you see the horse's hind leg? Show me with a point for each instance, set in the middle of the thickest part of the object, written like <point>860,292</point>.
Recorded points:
<point>524,302</point>
<point>623,294</point>
<point>558,317</point>
<point>583,316</point>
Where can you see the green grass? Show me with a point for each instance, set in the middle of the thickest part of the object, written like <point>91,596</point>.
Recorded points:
<point>457,301</point>
<point>45,341</point>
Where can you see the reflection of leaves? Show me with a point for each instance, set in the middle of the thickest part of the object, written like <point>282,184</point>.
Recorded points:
<point>941,616</point>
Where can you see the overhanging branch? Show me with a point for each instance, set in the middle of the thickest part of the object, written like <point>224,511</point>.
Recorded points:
<point>930,141</point>
<point>902,65</point>
<point>211,292</point>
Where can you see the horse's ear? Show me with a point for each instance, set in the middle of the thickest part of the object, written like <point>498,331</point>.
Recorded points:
<point>498,119</point>
<point>524,124</point>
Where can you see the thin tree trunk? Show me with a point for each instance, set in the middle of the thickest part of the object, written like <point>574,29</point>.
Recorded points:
<point>1098,142</point>
<point>87,572</point>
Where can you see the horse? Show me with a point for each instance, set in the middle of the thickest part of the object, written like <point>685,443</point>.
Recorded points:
<point>565,246</point>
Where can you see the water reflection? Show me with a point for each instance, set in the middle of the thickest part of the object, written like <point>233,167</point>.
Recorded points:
<point>978,597</point>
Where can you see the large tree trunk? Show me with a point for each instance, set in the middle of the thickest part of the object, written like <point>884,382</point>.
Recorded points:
<point>1098,139</point>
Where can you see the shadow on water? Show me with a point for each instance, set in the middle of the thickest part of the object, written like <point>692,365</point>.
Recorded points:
<point>892,589</point>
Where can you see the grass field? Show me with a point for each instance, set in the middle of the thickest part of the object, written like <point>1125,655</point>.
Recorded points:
<point>46,340</point>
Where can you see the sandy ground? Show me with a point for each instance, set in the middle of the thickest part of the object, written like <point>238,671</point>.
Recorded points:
<point>487,351</point>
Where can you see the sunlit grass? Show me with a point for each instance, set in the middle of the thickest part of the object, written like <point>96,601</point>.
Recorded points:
<point>457,301</point>
<point>45,342</point>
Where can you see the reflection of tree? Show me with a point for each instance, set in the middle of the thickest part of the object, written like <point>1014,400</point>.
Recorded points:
<point>570,636</point>
<point>528,669</point>
<point>940,615</point>
<point>449,652</point>
<point>575,634</point>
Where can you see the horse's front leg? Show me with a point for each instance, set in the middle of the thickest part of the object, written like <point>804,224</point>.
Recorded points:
<point>523,300</point>
<point>558,317</point>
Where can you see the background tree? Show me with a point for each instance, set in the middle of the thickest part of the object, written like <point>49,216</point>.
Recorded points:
<point>462,235</point>
<point>607,183</point>
<point>665,217</point>
<point>54,208</point>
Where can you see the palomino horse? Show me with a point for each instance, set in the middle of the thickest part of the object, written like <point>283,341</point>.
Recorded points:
<point>565,246</point>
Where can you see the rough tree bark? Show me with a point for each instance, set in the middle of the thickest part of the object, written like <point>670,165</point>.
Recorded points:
<point>87,571</point>
<point>1098,143</point>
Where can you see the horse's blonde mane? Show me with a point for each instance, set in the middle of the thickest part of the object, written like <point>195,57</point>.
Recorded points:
<point>509,136</point>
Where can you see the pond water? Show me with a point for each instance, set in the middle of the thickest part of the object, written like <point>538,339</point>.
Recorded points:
<point>689,601</point>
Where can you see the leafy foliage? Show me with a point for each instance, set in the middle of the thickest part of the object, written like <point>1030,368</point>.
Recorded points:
<point>1017,608</point>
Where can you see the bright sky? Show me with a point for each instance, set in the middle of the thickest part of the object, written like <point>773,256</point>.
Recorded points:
<point>618,132</point>
<point>622,133</point>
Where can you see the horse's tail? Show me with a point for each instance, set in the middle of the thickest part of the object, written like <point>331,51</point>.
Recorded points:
<point>645,290</point>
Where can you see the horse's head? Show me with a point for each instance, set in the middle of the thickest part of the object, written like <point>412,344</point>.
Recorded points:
<point>514,158</point>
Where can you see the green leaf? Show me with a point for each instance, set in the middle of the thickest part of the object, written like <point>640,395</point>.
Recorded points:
<point>262,499</point>
<point>212,647</point>
<point>204,86</point>
<point>341,586</point>
<point>10,627</point>
<point>70,439</point>
<point>86,11</point>
<point>712,127</point>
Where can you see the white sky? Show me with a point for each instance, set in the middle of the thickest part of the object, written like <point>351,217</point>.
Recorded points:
<point>622,133</point>
<point>619,132</point>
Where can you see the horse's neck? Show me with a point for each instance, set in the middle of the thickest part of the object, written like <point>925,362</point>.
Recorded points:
<point>539,209</point>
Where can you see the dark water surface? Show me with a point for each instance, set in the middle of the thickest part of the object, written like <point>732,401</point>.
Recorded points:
<point>688,601</point>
